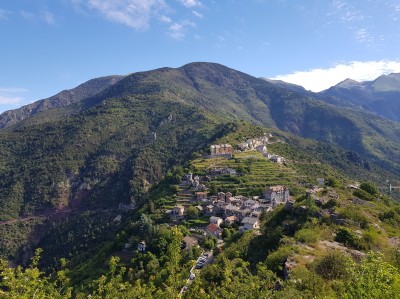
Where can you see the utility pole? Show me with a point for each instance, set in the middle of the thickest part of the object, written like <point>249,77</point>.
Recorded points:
<point>391,188</point>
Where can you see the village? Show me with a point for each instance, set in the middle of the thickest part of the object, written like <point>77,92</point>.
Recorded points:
<point>225,209</point>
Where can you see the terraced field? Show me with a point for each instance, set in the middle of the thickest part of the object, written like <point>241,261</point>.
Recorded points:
<point>255,172</point>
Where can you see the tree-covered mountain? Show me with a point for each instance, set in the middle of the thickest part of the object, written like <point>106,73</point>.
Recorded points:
<point>380,96</point>
<point>117,137</point>
<point>91,178</point>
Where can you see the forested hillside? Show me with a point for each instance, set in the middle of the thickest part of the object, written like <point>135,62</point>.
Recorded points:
<point>93,179</point>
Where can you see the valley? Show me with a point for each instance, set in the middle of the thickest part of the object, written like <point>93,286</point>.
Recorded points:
<point>108,185</point>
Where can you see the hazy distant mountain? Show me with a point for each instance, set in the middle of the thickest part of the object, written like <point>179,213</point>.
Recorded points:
<point>380,96</point>
<point>288,86</point>
<point>62,99</point>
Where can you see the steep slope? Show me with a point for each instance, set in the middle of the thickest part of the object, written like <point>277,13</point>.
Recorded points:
<point>111,147</point>
<point>61,99</point>
<point>108,155</point>
<point>381,96</point>
<point>235,95</point>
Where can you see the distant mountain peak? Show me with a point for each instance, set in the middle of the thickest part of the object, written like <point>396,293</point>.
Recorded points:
<point>349,83</point>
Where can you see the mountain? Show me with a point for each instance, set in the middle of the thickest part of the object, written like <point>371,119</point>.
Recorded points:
<point>77,163</point>
<point>64,98</point>
<point>288,86</point>
<point>380,96</point>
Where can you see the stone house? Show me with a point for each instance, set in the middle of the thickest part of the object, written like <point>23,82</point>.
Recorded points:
<point>276,194</point>
<point>201,195</point>
<point>249,223</point>
<point>230,220</point>
<point>178,210</point>
<point>221,149</point>
<point>213,230</point>
<point>216,220</point>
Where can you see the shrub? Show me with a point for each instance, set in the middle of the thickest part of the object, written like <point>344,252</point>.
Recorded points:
<point>275,260</point>
<point>307,236</point>
<point>349,238</point>
<point>333,265</point>
<point>369,187</point>
<point>363,194</point>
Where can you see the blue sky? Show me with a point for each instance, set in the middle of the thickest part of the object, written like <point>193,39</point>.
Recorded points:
<point>51,45</point>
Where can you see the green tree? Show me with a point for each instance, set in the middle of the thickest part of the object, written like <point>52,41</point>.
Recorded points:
<point>18,283</point>
<point>369,187</point>
<point>372,278</point>
<point>192,212</point>
<point>332,182</point>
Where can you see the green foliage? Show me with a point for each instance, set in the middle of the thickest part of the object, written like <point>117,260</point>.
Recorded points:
<point>307,235</point>
<point>332,182</point>
<point>305,284</point>
<point>19,283</point>
<point>349,238</point>
<point>276,259</point>
<point>372,278</point>
<point>333,265</point>
<point>210,242</point>
<point>369,187</point>
<point>192,212</point>
<point>391,216</point>
<point>363,194</point>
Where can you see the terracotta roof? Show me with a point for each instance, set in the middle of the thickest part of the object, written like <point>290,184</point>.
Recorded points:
<point>276,188</point>
<point>231,218</point>
<point>212,228</point>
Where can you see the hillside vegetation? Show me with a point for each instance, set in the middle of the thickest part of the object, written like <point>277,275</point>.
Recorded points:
<point>90,180</point>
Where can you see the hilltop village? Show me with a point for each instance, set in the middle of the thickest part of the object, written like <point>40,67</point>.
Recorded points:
<point>226,209</point>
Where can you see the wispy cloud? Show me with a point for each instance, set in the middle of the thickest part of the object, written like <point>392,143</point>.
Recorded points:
<point>178,30</point>
<point>354,20</point>
<point>48,17</point>
<point>133,13</point>
<point>44,16</point>
<point>27,15</point>
<point>345,12</point>
<point>197,14</point>
<point>321,79</point>
<point>11,95</point>
<point>4,14</point>
<point>165,19</point>
<point>362,35</point>
<point>190,3</point>
<point>138,14</point>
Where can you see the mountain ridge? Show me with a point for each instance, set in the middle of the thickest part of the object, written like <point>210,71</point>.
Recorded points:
<point>380,96</point>
<point>61,99</point>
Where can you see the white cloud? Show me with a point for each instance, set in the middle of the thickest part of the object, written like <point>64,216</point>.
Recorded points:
<point>362,35</point>
<point>197,14</point>
<point>11,96</point>
<point>165,19</point>
<point>321,79</point>
<point>190,3</point>
<point>178,30</point>
<point>133,13</point>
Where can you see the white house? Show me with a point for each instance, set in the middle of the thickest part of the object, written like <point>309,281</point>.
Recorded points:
<point>216,220</point>
<point>249,223</point>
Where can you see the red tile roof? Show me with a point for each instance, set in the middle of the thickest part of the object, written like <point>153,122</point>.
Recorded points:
<point>212,228</point>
